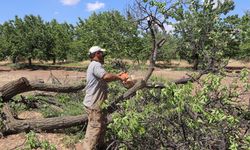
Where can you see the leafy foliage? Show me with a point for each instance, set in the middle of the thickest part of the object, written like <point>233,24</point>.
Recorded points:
<point>183,117</point>
<point>205,38</point>
<point>112,31</point>
<point>245,28</point>
<point>32,142</point>
<point>61,35</point>
<point>168,50</point>
<point>71,105</point>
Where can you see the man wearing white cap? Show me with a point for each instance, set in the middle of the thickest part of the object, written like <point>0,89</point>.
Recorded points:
<point>96,93</point>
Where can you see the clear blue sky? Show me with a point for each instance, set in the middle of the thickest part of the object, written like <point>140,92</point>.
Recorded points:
<point>71,10</point>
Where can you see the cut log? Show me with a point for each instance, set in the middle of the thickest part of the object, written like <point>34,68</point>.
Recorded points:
<point>23,85</point>
<point>15,126</point>
<point>13,88</point>
<point>45,124</point>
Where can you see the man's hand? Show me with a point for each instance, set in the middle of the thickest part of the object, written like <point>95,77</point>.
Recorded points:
<point>123,76</point>
<point>126,81</point>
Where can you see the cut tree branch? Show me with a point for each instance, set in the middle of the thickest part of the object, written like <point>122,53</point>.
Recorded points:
<point>13,125</point>
<point>23,85</point>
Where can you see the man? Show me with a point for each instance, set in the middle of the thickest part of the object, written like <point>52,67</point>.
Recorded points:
<point>96,93</point>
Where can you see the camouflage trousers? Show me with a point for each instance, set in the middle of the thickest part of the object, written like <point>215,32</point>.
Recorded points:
<point>95,133</point>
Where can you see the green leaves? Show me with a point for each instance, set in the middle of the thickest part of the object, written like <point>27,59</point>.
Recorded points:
<point>205,112</point>
<point>244,27</point>
<point>112,31</point>
<point>32,142</point>
<point>129,122</point>
<point>206,39</point>
<point>32,38</point>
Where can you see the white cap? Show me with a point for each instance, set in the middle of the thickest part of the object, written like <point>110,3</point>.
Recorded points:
<point>94,49</point>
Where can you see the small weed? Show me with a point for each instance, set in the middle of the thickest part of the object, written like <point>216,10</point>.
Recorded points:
<point>71,105</point>
<point>72,139</point>
<point>49,112</point>
<point>32,142</point>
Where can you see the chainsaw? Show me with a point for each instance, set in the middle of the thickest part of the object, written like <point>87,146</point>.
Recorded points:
<point>118,64</point>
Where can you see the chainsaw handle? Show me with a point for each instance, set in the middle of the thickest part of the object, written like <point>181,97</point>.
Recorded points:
<point>123,76</point>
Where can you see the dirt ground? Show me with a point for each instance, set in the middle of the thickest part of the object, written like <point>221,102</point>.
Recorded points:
<point>7,74</point>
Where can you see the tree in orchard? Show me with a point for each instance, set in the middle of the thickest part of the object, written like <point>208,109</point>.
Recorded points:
<point>110,30</point>
<point>12,39</point>
<point>205,38</point>
<point>62,36</point>
<point>245,30</point>
<point>34,36</point>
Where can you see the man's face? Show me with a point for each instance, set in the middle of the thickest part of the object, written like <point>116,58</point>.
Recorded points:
<point>100,55</point>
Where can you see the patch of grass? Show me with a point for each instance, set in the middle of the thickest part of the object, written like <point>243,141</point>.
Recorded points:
<point>72,139</point>
<point>32,142</point>
<point>48,112</point>
<point>182,69</point>
<point>74,64</point>
<point>71,105</point>
<point>63,98</point>
<point>18,106</point>
<point>156,79</point>
<point>18,66</point>
<point>73,109</point>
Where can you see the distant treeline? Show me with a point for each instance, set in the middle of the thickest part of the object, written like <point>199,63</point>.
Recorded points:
<point>200,35</point>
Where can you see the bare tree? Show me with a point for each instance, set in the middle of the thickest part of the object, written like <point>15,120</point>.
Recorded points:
<point>151,20</point>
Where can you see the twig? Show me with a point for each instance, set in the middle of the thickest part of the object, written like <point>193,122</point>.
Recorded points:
<point>249,104</point>
<point>53,78</point>
<point>111,144</point>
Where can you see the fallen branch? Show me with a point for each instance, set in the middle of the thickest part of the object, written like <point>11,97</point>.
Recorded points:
<point>190,79</point>
<point>23,85</point>
<point>13,125</point>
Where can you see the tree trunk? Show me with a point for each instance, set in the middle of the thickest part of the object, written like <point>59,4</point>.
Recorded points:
<point>13,125</point>
<point>196,61</point>
<point>13,88</point>
<point>23,85</point>
<point>30,61</point>
<point>13,60</point>
<point>54,60</point>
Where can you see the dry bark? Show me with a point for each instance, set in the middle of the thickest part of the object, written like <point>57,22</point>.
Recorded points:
<point>23,85</point>
<point>13,125</point>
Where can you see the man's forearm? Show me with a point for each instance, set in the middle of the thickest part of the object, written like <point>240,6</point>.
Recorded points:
<point>108,77</point>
